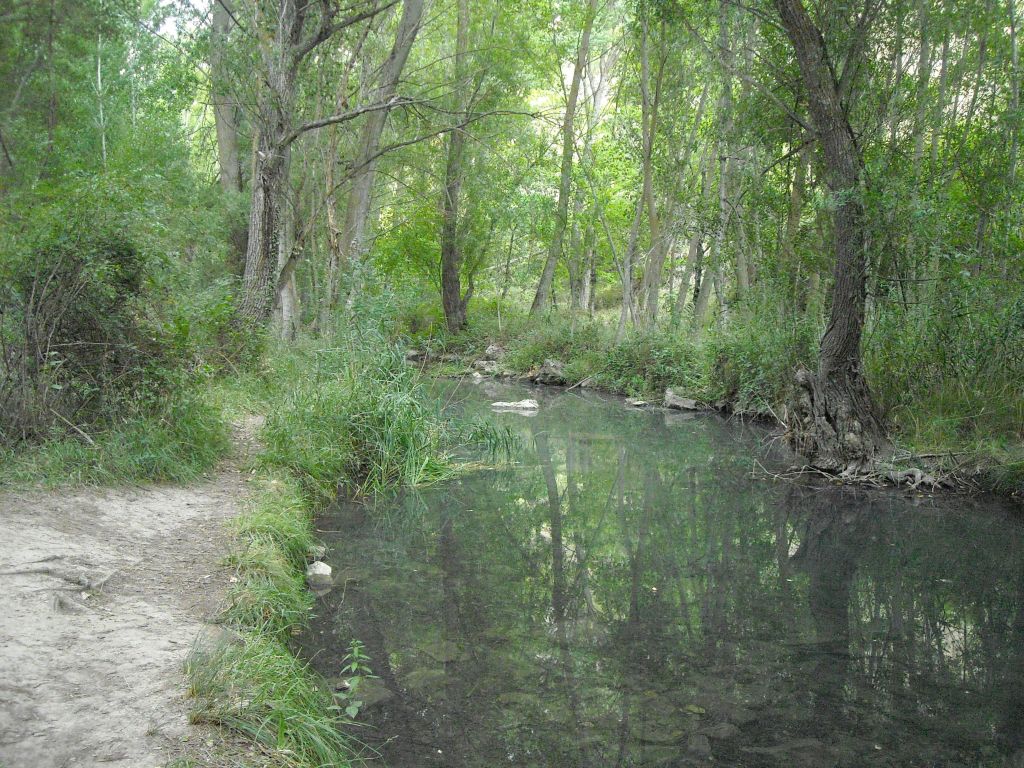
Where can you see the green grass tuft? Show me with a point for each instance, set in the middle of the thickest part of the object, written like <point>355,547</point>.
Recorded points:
<point>255,686</point>
<point>179,442</point>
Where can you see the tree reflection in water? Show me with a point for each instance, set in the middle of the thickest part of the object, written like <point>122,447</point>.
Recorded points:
<point>627,594</point>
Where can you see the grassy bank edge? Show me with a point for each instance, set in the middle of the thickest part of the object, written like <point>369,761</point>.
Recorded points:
<point>248,679</point>
<point>726,374</point>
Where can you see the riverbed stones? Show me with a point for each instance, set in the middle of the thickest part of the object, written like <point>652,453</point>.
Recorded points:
<point>521,406</point>
<point>318,575</point>
<point>679,403</point>
<point>487,367</point>
<point>722,731</point>
<point>552,372</point>
<point>699,745</point>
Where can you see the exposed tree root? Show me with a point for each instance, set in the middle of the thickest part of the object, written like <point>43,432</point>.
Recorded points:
<point>833,422</point>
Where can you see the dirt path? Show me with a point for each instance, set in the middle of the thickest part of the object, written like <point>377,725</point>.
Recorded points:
<point>102,594</point>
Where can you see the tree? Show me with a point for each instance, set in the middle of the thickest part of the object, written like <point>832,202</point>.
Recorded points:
<point>542,296</point>
<point>452,300</point>
<point>364,164</point>
<point>835,421</point>
<point>285,37</point>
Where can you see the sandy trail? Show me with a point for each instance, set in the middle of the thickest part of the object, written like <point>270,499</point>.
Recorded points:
<point>93,676</point>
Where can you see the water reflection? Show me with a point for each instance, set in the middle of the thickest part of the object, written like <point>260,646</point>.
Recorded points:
<point>628,595</point>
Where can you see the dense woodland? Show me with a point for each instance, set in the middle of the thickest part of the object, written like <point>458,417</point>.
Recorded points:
<point>249,234</point>
<point>807,210</point>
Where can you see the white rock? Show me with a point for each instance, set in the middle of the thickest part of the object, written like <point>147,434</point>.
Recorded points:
<point>636,403</point>
<point>518,405</point>
<point>318,575</point>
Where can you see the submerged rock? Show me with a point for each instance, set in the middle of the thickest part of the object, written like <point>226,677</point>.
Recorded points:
<point>699,745</point>
<point>634,402</point>
<point>318,575</point>
<point>552,372</point>
<point>519,405</point>
<point>672,400</point>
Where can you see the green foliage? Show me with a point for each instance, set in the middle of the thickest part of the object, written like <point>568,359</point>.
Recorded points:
<point>254,685</point>
<point>177,441</point>
<point>751,362</point>
<point>355,420</point>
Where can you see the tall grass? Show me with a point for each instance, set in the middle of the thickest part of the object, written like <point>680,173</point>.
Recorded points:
<point>250,681</point>
<point>257,687</point>
<point>358,422</point>
<point>178,441</point>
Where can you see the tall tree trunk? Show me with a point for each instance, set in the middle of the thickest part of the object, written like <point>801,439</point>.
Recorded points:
<point>543,294</point>
<point>274,114</point>
<point>225,111</point>
<point>661,242</point>
<point>649,126</point>
<point>261,246</point>
<point>796,204</point>
<point>360,196</point>
<point>225,121</point>
<point>1015,116</point>
<point>691,270</point>
<point>451,254</point>
<point>835,423</point>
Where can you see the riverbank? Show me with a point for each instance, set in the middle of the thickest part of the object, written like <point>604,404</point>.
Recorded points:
<point>969,439</point>
<point>351,420</point>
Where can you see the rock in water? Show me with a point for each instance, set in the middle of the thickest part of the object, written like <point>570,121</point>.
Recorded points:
<point>489,367</point>
<point>318,575</point>
<point>634,402</point>
<point>552,372</point>
<point>317,552</point>
<point>672,400</point>
<point>699,745</point>
<point>518,405</point>
<point>494,352</point>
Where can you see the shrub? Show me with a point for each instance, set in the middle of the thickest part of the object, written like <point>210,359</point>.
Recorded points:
<point>74,349</point>
<point>751,362</point>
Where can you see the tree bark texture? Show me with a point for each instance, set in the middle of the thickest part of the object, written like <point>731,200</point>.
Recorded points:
<point>452,300</point>
<point>834,422</point>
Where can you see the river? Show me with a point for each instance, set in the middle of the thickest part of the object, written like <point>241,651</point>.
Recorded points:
<point>633,590</point>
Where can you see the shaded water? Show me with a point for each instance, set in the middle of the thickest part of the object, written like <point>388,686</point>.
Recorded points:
<point>627,594</point>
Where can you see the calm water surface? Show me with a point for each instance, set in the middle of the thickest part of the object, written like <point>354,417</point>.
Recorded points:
<point>628,594</point>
